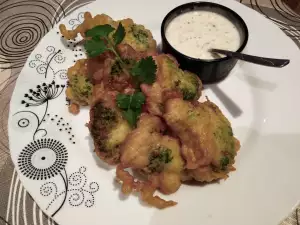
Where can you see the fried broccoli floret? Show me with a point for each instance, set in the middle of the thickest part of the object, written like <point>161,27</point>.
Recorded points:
<point>138,37</point>
<point>185,82</point>
<point>171,82</point>
<point>108,130</point>
<point>158,158</point>
<point>223,137</point>
<point>208,144</point>
<point>81,89</point>
<point>150,152</point>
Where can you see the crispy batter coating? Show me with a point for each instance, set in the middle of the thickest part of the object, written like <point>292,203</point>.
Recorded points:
<point>146,189</point>
<point>108,128</point>
<point>80,89</point>
<point>106,69</point>
<point>88,23</point>
<point>171,82</point>
<point>208,144</point>
<point>74,108</point>
<point>154,155</point>
<point>138,37</point>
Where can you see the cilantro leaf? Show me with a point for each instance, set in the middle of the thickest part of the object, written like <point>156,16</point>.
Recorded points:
<point>123,101</point>
<point>130,116</point>
<point>137,100</point>
<point>100,31</point>
<point>134,101</point>
<point>131,106</point>
<point>119,35</point>
<point>95,47</point>
<point>145,70</point>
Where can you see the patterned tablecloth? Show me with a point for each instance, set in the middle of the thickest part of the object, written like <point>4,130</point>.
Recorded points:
<point>23,23</point>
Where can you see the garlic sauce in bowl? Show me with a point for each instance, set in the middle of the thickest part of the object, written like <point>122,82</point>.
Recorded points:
<point>190,30</point>
<point>194,33</point>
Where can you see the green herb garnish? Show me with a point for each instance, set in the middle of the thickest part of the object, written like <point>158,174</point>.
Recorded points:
<point>131,106</point>
<point>95,47</point>
<point>119,35</point>
<point>100,31</point>
<point>143,71</point>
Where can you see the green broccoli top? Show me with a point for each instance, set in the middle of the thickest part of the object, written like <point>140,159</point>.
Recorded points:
<point>225,142</point>
<point>104,120</point>
<point>82,88</point>
<point>158,158</point>
<point>187,83</point>
<point>139,34</point>
<point>109,130</point>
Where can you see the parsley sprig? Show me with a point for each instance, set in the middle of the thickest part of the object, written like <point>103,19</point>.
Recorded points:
<point>131,106</point>
<point>99,41</point>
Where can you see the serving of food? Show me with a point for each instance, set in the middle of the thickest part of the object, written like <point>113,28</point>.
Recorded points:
<point>113,119</point>
<point>144,111</point>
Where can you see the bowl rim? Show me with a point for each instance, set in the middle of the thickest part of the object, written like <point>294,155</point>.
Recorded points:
<point>204,3</point>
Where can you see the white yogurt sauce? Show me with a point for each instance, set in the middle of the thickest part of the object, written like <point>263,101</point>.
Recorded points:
<point>194,33</point>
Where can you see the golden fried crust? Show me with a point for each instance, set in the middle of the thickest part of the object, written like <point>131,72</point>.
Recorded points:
<point>135,149</point>
<point>139,144</point>
<point>107,127</point>
<point>171,82</point>
<point>88,23</point>
<point>74,93</point>
<point>155,156</point>
<point>206,136</point>
<point>138,37</point>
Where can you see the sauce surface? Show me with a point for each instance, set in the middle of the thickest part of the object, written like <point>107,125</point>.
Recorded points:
<point>194,33</point>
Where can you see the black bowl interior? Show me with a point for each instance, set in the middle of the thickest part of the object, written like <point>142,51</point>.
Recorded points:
<point>213,7</point>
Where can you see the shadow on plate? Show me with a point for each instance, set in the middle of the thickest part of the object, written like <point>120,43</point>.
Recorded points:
<point>256,82</point>
<point>229,104</point>
<point>260,84</point>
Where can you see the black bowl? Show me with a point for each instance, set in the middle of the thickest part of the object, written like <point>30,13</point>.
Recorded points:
<point>212,70</point>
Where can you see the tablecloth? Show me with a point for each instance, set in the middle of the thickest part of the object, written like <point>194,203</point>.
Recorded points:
<point>35,18</point>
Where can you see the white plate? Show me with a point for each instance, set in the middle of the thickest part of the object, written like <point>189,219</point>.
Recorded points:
<point>262,104</point>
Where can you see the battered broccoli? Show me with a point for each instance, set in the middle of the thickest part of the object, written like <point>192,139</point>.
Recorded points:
<point>202,126</point>
<point>158,158</point>
<point>223,136</point>
<point>139,34</point>
<point>108,130</point>
<point>138,37</point>
<point>80,89</point>
<point>186,82</point>
<point>173,78</point>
